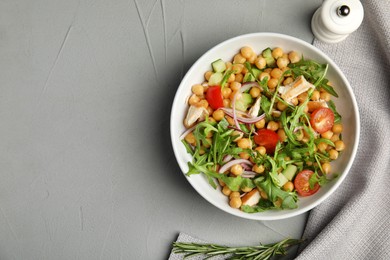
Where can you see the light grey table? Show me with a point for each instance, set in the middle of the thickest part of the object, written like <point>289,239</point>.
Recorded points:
<point>87,169</point>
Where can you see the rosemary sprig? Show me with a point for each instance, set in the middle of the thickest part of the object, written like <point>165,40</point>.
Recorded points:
<point>260,252</point>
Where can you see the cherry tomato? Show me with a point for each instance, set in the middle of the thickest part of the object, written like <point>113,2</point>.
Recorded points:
<point>214,97</point>
<point>302,185</point>
<point>267,138</point>
<point>322,119</point>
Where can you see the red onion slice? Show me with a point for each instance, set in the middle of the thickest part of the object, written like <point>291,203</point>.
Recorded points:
<point>227,158</point>
<point>189,130</point>
<point>248,174</point>
<point>228,165</point>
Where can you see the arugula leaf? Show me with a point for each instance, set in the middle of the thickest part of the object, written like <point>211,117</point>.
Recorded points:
<point>273,192</point>
<point>265,105</point>
<point>262,206</point>
<point>316,178</point>
<point>324,140</point>
<point>332,106</point>
<point>314,72</point>
<point>236,183</point>
<point>226,77</point>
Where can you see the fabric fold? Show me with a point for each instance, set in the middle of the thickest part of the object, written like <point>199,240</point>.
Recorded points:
<point>354,223</point>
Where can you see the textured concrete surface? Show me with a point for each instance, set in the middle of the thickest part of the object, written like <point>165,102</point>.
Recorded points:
<point>87,169</point>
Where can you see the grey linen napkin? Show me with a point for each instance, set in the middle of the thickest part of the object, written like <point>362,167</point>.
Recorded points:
<point>354,223</point>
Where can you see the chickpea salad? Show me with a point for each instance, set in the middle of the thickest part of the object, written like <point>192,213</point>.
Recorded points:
<point>263,128</point>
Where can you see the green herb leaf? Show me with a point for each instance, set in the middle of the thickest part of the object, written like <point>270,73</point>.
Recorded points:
<point>260,252</point>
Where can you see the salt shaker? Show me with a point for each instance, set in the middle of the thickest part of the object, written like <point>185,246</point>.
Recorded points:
<point>336,19</point>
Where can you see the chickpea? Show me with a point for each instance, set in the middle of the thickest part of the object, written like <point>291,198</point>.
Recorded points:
<point>281,106</point>
<point>294,57</point>
<point>226,102</point>
<point>335,137</point>
<point>282,62</point>
<point>278,203</point>
<point>246,52</point>
<point>306,109</point>
<point>209,134</point>
<point>263,75</point>
<point>272,125</point>
<point>218,115</point>
<point>287,81</point>
<point>226,92</point>
<point>327,135</point>
<point>235,202</point>
<point>260,62</point>
<point>212,120</point>
<point>229,65</point>
<point>302,97</point>
<point>263,194</point>
<point>326,168</point>
<point>272,83</point>
<point>221,183</point>
<point>238,58</point>
<point>258,168</point>
<point>202,103</point>
<point>237,68</point>
<point>234,194</point>
<point>190,138</point>
<point>325,96</point>
<point>246,189</point>
<point>276,73</point>
<point>208,142</point>
<point>193,99</point>
<point>207,75</point>
<point>288,186</point>
<point>268,70</point>
<point>244,143</point>
<point>235,86</point>
<point>286,71</point>
<point>231,78</point>
<point>197,89</point>
<point>254,92</point>
<point>226,191</point>
<point>337,128</point>
<point>277,52</point>
<point>230,120</point>
<point>252,58</point>
<point>261,150</point>
<point>244,155</point>
<point>315,96</point>
<point>239,78</point>
<point>260,124</point>
<point>294,101</point>
<point>339,145</point>
<point>282,135</point>
<point>231,97</point>
<point>322,146</point>
<point>333,154</point>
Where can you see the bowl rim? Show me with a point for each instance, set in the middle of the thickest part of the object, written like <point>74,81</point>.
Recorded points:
<point>286,213</point>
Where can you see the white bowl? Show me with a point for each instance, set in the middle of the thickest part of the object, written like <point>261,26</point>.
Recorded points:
<point>346,106</point>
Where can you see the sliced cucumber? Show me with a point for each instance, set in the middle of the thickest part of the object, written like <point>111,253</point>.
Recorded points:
<point>244,102</point>
<point>267,54</point>
<point>219,66</point>
<point>282,179</point>
<point>215,79</point>
<point>249,77</point>
<point>290,171</point>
